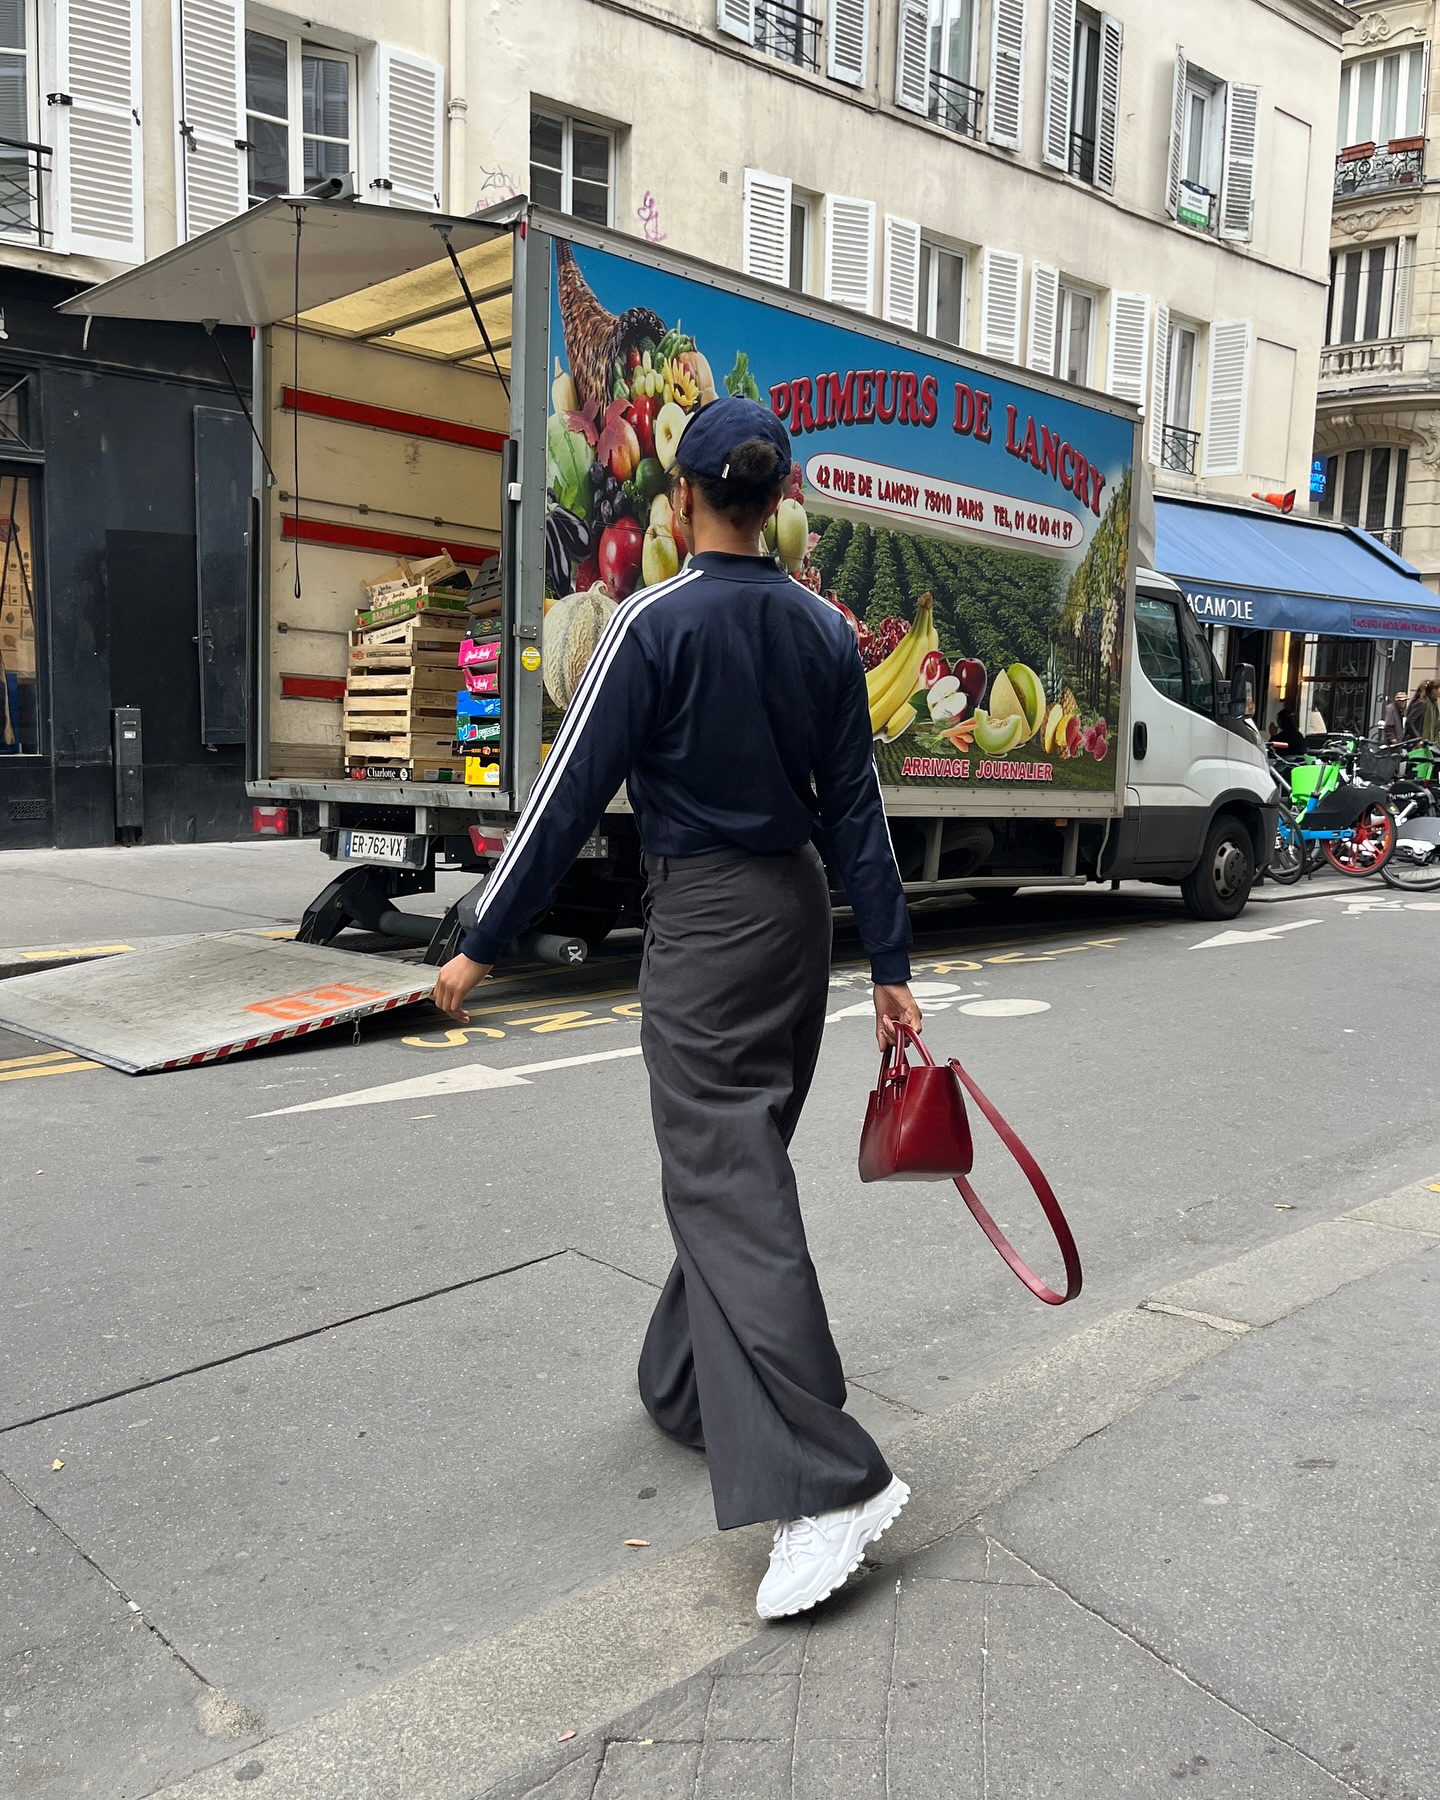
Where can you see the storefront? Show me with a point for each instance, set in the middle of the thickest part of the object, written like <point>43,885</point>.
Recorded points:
<point>124,496</point>
<point>1324,613</point>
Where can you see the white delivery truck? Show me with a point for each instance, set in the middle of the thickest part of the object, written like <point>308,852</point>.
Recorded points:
<point>504,392</point>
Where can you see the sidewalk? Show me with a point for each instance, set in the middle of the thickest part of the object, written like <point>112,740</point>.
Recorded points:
<point>1194,1543</point>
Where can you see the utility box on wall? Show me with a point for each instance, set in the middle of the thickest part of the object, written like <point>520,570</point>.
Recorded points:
<point>127,749</point>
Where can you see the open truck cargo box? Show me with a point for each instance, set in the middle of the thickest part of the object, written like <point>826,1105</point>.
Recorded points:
<point>214,997</point>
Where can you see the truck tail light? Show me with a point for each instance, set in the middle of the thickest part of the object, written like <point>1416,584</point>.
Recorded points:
<point>270,821</point>
<point>488,840</point>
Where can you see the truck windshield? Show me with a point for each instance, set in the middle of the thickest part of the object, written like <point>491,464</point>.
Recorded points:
<point>1199,664</point>
<point>1157,635</point>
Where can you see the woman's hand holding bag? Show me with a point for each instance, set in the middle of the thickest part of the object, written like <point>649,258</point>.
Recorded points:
<point>916,1129</point>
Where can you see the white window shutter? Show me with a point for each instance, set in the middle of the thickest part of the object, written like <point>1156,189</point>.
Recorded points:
<point>850,252</point>
<point>901,302</point>
<point>912,57</point>
<point>1044,317</point>
<point>765,253</point>
<point>1177,134</point>
<point>736,18</point>
<point>1401,309</point>
<point>1129,341</point>
<point>1237,184</point>
<point>94,116</point>
<point>1159,383</point>
<point>1107,125</point>
<point>1000,276</point>
<point>1226,397</point>
<point>210,68</point>
<point>1007,73</point>
<point>1059,83</point>
<point>407,152</point>
<point>849,42</point>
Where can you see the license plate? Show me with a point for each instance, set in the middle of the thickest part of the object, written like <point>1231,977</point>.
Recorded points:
<point>395,847</point>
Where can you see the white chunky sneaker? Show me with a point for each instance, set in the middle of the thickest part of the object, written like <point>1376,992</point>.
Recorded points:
<point>813,1556</point>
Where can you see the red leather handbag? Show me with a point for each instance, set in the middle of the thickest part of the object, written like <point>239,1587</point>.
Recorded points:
<point>916,1129</point>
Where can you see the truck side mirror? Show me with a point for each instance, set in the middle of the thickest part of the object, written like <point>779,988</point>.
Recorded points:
<point>1242,692</point>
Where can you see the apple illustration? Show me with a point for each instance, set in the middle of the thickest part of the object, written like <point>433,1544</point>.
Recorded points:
<point>934,668</point>
<point>972,678</point>
<point>622,546</point>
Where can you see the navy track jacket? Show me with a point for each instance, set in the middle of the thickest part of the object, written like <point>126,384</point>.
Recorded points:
<point>717,697</point>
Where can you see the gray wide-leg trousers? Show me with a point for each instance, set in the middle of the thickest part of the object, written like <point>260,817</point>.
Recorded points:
<point>739,1360</point>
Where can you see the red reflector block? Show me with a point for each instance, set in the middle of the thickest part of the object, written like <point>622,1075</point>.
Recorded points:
<point>488,840</point>
<point>270,821</point>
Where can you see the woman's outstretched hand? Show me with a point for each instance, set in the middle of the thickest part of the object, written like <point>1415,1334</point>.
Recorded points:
<point>454,983</point>
<point>893,1003</point>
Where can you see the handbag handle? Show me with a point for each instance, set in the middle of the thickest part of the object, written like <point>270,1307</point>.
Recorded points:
<point>1031,1170</point>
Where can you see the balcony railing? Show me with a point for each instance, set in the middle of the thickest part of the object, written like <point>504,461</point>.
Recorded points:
<point>23,168</point>
<point>1179,449</point>
<point>1371,168</point>
<point>1391,536</point>
<point>788,32</point>
<point>1082,156</point>
<point>955,105</point>
<point>1382,356</point>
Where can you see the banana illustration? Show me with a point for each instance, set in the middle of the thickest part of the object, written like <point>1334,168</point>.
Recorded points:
<point>890,684</point>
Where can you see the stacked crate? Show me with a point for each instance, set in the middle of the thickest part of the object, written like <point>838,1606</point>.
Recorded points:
<point>400,697</point>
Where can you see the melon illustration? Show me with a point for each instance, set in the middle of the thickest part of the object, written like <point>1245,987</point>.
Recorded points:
<point>570,634</point>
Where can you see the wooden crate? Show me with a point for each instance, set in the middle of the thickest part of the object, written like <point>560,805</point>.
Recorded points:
<point>433,631</point>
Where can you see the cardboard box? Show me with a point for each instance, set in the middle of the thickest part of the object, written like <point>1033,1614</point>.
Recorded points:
<point>480,772</point>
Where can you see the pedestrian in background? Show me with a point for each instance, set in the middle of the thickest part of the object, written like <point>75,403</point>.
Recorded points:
<point>1393,726</point>
<point>1422,719</point>
<point>732,702</point>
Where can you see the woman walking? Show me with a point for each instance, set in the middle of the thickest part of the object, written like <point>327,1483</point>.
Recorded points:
<point>732,702</point>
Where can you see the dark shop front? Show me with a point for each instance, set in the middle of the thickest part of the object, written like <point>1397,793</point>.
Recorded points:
<point>124,503</point>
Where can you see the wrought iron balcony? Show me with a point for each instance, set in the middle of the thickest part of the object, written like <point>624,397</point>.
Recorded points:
<point>1082,156</point>
<point>1371,168</point>
<point>955,105</point>
<point>787,31</point>
<point>1391,536</point>
<point>23,169</point>
<point>1179,449</point>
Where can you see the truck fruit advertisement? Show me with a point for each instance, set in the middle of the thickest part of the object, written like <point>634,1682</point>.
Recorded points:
<point>973,530</point>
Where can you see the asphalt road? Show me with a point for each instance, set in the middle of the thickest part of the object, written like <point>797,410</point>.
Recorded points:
<point>338,1364</point>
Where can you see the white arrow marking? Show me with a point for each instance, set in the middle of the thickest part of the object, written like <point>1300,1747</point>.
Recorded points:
<point>1266,934</point>
<point>467,1079</point>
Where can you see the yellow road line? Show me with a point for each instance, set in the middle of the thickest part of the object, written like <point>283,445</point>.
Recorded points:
<point>25,1062</point>
<point>64,1068</point>
<point>74,950</point>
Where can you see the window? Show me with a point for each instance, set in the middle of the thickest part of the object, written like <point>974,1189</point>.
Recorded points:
<point>1370,292</point>
<point>942,293</point>
<point>800,216</point>
<point>788,30</point>
<point>299,114</point>
<point>1085,95</point>
<point>1382,97</point>
<point>19,169</point>
<point>1179,439</point>
<point>571,167</point>
<point>19,688</point>
<point>1200,675</point>
<point>1335,683</point>
<point>1369,487</point>
<point>1202,137</point>
<point>954,98</point>
<point>1075,341</point>
<point>1157,637</point>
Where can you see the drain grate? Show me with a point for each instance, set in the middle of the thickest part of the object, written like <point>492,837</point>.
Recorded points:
<point>29,809</point>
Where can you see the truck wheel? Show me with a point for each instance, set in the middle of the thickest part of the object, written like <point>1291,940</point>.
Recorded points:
<point>1219,884</point>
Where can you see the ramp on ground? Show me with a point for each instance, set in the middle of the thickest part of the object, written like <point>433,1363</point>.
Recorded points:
<point>215,996</point>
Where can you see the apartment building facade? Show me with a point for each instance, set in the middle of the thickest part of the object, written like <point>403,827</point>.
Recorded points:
<point>1133,199</point>
<point>1377,428</point>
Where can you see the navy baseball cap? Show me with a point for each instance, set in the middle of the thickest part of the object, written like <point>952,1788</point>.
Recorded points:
<point>721,427</point>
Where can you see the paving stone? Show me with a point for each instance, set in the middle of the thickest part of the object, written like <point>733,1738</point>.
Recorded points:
<point>676,1716</point>
<point>648,1772</point>
<point>1075,1709</point>
<point>939,1631</point>
<point>572,1780</point>
<point>959,1557</point>
<point>752,1707</point>
<point>839,1769</point>
<point>845,1680</point>
<point>733,1771</point>
<point>934,1741</point>
<point>780,1650</point>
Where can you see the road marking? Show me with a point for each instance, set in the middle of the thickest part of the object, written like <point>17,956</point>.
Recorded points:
<point>27,1062</point>
<point>1004,1009</point>
<point>1266,934</point>
<point>70,1066</point>
<point>74,950</point>
<point>468,1079</point>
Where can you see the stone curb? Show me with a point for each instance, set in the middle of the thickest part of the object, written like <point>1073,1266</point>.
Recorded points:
<point>459,1724</point>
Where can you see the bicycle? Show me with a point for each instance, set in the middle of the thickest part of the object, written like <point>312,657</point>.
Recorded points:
<point>1325,808</point>
<point>1415,865</point>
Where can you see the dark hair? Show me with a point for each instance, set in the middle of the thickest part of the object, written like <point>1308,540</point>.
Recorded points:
<point>745,494</point>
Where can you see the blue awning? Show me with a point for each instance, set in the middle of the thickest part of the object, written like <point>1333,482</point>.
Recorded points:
<point>1263,572</point>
